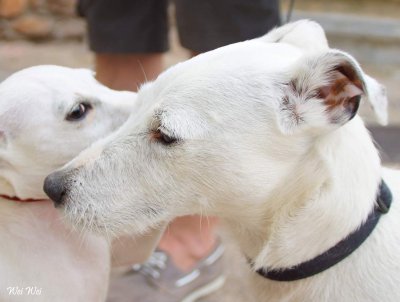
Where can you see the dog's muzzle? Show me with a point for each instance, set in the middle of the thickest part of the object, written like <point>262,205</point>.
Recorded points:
<point>55,187</point>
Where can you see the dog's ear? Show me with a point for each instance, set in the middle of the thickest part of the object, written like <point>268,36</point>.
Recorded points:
<point>305,34</point>
<point>325,90</point>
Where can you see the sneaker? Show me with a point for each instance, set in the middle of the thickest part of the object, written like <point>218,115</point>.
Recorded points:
<point>159,280</point>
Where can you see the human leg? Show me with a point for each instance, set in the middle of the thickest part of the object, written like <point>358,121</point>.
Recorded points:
<point>204,25</point>
<point>127,71</point>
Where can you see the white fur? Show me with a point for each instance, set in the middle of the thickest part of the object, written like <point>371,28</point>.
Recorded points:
<point>38,251</point>
<point>288,176</point>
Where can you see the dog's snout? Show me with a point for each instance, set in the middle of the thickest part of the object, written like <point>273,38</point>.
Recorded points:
<point>54,187</point>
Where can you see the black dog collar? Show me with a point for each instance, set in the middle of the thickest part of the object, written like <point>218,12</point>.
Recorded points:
<point>338,252</point>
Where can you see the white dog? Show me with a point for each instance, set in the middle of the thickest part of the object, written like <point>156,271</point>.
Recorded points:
<point>48,115</point>
<point>265,135</point>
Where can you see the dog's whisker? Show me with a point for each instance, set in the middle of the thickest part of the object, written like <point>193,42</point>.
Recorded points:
<point>143,71</point>
<point>107,233</point>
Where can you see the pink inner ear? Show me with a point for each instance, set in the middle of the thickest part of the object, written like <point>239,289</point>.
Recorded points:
<point>341,92</point>
<point>351,90</point>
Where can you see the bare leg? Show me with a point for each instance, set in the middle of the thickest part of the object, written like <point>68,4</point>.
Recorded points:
<point>128,71</point>
<point>187,239</point>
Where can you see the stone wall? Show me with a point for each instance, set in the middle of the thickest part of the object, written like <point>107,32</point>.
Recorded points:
<point>40,20</point>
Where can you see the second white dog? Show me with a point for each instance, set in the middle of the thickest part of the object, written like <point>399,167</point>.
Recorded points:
<point>48,114</point>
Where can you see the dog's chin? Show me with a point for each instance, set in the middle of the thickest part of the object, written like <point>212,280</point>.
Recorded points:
<point>85,225</point>
<point>87,221</point>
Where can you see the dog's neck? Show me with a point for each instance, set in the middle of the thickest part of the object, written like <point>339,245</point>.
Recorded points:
<point>331,194</point>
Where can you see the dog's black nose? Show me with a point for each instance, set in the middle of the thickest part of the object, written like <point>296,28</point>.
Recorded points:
<point>54,187</point>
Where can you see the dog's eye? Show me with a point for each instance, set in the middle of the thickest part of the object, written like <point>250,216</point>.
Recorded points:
<point>78,112</point>
<point>164,138</point>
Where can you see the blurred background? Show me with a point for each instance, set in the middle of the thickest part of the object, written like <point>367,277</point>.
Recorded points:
<point>36,32</point>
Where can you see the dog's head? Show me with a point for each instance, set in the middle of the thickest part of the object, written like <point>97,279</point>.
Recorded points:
<point>215,133</point>
<point>48,114</point>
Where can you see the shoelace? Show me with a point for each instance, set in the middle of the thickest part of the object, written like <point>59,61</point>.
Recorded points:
<point>152,268</point>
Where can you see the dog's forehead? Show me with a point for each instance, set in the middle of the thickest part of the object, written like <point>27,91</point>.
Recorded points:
<point>35,93</point>
<point>229,70</point>
<point>45,84</point>
<point>49,75</point>
<point>235,60</point>
<point>208,84</point>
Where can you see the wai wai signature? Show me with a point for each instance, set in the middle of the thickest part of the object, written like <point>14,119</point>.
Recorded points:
<point>24,291</point>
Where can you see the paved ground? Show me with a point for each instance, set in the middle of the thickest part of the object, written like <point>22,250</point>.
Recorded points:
<point>17,55</point>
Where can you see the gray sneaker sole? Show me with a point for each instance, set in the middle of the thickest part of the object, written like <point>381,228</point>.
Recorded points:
<point>205,290</point>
